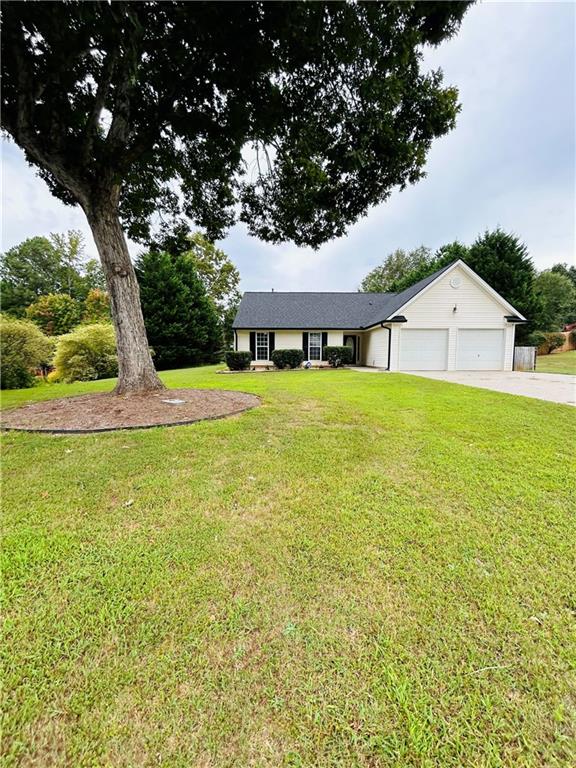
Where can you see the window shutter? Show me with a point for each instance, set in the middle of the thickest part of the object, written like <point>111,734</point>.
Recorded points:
<point>271,342</point>
<point>253,344</point>
<point>324,344</point>
<point>305,345</point>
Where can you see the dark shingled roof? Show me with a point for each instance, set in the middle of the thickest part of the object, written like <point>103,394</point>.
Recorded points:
<point>323,311</point>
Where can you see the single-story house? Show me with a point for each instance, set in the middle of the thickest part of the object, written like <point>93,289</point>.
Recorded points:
<point>451,320</point>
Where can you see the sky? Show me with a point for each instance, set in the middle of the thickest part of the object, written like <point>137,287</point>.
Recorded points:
<point>510,162</point>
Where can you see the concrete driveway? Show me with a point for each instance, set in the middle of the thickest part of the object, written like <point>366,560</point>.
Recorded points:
<point>556,387</point>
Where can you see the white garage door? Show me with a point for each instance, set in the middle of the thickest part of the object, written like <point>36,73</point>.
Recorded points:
<point>480,350</point>
<point>423,350</point>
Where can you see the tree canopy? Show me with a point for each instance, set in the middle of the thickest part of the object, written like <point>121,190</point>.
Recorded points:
<point>294,117</point>
<point>55,314</point>
<point>557,295</point>
<point>40,266</point>
<point>567,270</point>
<point>330,97</point>
<point>394,268</point>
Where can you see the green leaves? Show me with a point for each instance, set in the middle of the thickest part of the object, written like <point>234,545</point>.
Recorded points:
<point>181,320</point>
<point>164,99</point>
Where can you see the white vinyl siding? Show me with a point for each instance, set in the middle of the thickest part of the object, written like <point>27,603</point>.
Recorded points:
<point>423,349</point>
<point>480,350</point>
<point>474,305</point>
<point>454,310</point>
<point>375,344</point>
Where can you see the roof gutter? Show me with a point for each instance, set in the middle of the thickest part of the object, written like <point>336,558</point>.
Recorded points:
<point>515,319</point>
<point>382,323</point>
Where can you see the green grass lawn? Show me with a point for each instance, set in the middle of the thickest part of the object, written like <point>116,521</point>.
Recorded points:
<point>369,570</point>
<point>557,362</point>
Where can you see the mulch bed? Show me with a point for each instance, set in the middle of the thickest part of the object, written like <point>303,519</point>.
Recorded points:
<point>105,411</point>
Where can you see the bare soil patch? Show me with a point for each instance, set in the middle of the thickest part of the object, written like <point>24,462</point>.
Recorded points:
<point>105,411</point>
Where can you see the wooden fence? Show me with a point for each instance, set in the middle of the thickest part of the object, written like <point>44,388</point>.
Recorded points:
<point>524,358</point>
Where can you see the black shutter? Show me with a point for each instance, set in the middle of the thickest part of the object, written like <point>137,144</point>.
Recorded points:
<point>253,344</point>
<point>271,342</point>
<point>324,344</point>
<point>305,345</point>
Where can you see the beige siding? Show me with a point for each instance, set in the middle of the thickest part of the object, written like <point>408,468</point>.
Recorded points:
<point>287,340</point>
<point>475,308</point>
<point>243,341</point>
<point>375,344</point>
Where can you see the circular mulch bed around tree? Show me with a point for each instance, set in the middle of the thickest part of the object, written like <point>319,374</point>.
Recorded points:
<point>105,411</point>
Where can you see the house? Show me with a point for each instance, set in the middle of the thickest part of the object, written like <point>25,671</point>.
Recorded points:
<point>450,320</point>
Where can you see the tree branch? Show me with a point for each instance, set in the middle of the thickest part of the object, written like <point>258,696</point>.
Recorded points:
<point>91,130</point>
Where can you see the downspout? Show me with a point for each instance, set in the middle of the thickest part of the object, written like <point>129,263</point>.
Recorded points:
<point>387,328</point>
<point>235,341</point>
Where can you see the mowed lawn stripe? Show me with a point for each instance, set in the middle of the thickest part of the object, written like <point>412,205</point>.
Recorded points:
<point>367,570</point>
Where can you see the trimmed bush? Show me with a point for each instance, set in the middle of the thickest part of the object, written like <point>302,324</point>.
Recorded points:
<point>23,349</point>
<point>86,353</point>
<point>337,356</point>
<point>238,361</point>
<point>287,358</point>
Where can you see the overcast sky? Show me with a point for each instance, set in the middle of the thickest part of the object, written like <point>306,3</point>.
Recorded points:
<point>510,161</point>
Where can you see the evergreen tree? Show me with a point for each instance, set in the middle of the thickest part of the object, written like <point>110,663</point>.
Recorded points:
<point>181,320</point>
<point>503,261</point>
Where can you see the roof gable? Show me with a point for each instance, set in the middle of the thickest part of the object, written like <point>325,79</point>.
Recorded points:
<point>433,279</point>
<point>340,311</point>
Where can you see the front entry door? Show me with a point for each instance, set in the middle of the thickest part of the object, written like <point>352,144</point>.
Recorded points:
<point>352,342</point>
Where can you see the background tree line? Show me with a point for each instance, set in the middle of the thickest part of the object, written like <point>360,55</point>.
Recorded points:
<point>546,298</point>
<point>189,294</point>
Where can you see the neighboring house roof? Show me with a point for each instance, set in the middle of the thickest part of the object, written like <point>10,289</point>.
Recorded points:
<point>326,311</point>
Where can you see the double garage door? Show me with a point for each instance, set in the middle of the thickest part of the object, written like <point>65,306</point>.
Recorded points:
<point>426,349</point>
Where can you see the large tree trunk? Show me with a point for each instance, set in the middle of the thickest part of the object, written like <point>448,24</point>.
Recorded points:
<point>136,372</point>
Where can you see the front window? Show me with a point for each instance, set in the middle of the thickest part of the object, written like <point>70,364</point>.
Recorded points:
<point>262,346</point>
<point>315,346</point>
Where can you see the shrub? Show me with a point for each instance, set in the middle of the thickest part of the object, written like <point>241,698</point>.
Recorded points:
<point>88,352</point>
<point>238,361</point>
<point>55,313</point>
<point>338,356</point>
<point>535,339</point>
<point>573,336</point>
<point>287,358</point>
<point>548,342</point>
<point>23,348</point>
